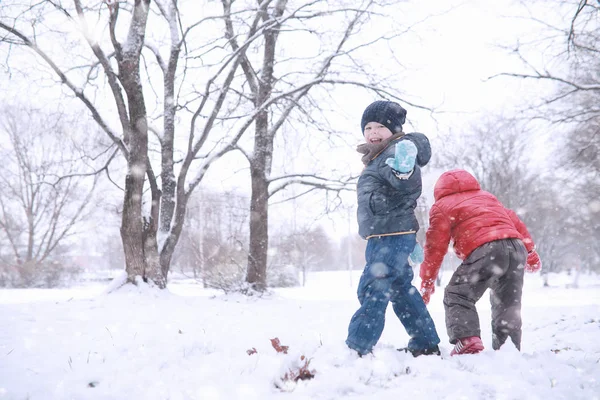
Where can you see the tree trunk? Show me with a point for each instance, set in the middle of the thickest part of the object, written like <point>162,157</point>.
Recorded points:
<point>154,272</point>
<point>259,226</point>
<point>135,239</point>
<point>167,175</point>
<point>131,228</point>
<point>260,165</point>
<point>166,253</point>
<point>132,232</point>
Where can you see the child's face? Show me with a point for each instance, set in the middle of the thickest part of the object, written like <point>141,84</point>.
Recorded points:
<point>375,132</point>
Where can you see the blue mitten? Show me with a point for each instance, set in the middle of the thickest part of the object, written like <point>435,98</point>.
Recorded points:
<point>417,256</point>
<point>404,160</point>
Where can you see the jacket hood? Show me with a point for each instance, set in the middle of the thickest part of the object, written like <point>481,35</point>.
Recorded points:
<point>454,181</point>
<point>423,147</point>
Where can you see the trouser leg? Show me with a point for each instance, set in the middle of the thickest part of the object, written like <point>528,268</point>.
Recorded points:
<point>367,323</point>
<point>505,296</point>
<point>468,283</point>
<point>410,309</point>
<point>387,277</point>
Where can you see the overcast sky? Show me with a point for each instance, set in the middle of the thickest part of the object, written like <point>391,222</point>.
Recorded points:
<point>452,54</point>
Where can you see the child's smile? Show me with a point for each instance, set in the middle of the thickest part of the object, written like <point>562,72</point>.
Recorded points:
<point>376,132</point>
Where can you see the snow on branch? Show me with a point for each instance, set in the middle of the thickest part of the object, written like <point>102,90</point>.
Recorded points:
<point>159,59</point>
<point>137,30</point>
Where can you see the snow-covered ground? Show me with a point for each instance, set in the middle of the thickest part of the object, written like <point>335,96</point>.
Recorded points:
<point>191,343</point>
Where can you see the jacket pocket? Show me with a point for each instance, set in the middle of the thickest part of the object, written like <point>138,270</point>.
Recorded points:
<point>378,203</point>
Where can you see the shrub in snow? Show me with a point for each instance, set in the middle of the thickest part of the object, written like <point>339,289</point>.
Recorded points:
<point>226,277</point>
<point>46,274</point>
<point>283,276</point>
<point>231,278</point>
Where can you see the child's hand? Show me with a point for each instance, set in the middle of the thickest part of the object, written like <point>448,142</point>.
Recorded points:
<point>405,157</point>
<point>534,264</point>
<point>427,289</point>
<point>416,257</point>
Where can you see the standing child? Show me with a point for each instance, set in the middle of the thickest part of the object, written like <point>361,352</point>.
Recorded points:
<point>388,189</point>
<point>495,247</point>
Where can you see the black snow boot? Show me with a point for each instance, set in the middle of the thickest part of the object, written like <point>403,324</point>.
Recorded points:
<point>435,350</point>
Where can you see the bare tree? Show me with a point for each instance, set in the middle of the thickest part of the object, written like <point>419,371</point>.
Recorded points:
<point>580,157</point>
<point>500,154</point>
<point>498,151</point>
<point>220,103</point>
<point>561,42</point>
<point>43,199</point>
<point>284,87</point>
<point>570,48</point>
<point>216,234</point>
<point>119,43</point>
<point>307,249</point>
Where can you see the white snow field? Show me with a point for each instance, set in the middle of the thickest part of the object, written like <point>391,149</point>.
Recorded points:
<point>192,343</point>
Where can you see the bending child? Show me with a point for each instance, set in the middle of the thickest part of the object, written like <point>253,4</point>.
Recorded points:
<point>388,189</point>
<point>495,247</point>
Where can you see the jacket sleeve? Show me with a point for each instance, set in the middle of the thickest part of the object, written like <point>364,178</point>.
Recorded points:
<point>423,147</point>
<point>405,184</point>
<point>520,225</point>
<point>437,240</point>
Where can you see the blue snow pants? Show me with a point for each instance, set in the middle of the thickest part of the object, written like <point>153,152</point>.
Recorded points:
<point>387,277</point>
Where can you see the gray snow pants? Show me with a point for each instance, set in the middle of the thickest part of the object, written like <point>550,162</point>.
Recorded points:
<point>498,265</point>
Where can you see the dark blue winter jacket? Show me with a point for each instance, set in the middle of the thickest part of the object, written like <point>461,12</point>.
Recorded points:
<point>386,203</point>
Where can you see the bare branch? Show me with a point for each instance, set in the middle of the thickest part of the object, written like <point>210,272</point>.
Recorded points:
<point>93,173</point>
<point>111,76</point>
<point>316,182</point>
<point>78,93</point>
<point>546,76</point>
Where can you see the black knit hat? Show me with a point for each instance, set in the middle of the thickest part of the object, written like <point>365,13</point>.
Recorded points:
<point>387,113</point>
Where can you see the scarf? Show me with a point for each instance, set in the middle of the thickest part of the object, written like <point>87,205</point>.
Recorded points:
<point>372,150</point>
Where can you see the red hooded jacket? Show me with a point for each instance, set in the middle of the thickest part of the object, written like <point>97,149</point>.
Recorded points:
<point>470,217</point>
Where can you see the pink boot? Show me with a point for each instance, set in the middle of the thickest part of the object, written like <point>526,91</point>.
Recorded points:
<point>468,345</point>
